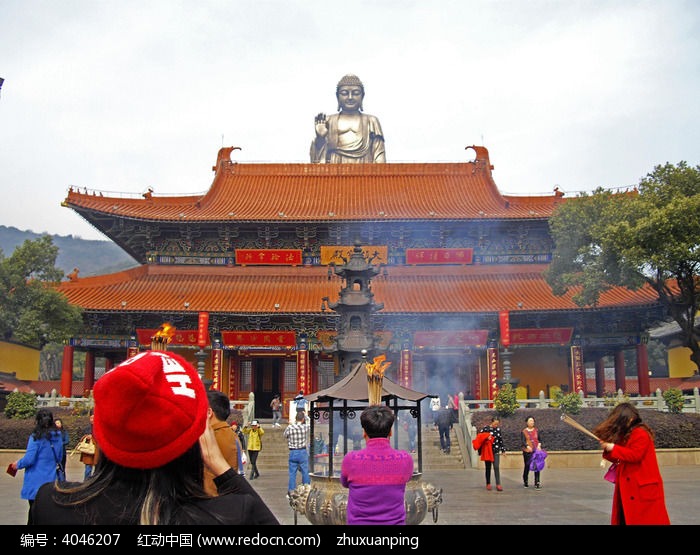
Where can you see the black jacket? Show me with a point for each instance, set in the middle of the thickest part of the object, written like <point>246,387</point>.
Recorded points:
<point>444,418</point>
<point>240,505</point>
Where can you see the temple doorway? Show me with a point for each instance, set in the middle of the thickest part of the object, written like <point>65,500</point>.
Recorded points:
<point>266,382</point>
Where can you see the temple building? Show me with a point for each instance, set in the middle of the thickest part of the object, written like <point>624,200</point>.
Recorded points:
<point>281,277</point>
<point>245,274</point>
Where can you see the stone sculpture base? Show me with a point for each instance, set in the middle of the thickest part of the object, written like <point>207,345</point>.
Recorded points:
<point>325,501</point>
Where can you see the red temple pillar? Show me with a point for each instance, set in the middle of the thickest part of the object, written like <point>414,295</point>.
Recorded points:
<point>643,370</point>
<point>89,376</point>
<point>620,371</point>
<point>67,371</point>
<point>233,377</point>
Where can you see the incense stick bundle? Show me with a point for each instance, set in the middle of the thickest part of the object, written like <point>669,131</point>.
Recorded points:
<point>571,422</point>
<point>375,379</point>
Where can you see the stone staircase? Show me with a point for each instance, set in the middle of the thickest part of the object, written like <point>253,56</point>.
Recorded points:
<point>433,458</point>
<point>274,454</point>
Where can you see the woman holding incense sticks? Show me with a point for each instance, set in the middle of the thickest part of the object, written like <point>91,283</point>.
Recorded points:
<point>639,490</point>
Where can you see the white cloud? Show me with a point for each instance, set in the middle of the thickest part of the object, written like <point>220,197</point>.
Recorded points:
<point>125,95</point>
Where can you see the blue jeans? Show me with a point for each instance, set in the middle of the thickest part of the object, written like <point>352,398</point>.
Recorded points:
<point>88,471</point>
<point>298,462</point>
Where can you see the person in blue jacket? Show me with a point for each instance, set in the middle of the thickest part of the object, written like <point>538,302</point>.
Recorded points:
<point>65,436</point>
<point>41,457</point>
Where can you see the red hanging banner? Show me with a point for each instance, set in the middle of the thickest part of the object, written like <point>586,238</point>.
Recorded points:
<point>303,377</point>
<point>406,368</point>
<point>504,320</point>
<point>216,359</point>
<point>281,257</point>
<point>492,358</point>
<point>181,337</point>
<point>203,329</point>
<point>541,336</point>
<point>259,339</point>
<point>578,370</point>
<point>439,256</point>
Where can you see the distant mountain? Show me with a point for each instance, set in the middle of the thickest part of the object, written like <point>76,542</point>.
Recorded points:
<point>91,257</point>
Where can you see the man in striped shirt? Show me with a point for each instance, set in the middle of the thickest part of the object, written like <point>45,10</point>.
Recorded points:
<point>297,435</point>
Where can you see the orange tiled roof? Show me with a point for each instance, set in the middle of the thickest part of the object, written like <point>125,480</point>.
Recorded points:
<point>256,289</point>
<point>322,192</point>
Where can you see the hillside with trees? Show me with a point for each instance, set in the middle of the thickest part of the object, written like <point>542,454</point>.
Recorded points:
<point>91,257</point>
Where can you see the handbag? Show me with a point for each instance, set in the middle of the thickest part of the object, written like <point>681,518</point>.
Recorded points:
<point>60,472</point>
<point>611,474</point>
<point>85,446</point>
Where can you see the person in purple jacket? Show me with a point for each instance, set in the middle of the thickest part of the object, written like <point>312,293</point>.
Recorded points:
<point>376,476</point>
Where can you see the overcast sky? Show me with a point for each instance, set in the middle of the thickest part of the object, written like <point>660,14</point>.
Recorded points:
<point>120,96</point>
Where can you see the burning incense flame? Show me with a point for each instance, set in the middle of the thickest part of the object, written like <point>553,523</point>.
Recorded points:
<point>377,367</point>
<point>162,337</point>
<point>375,379</point>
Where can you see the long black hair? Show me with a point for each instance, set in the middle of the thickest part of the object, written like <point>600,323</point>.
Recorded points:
<point>162,495</point>
<point>618,426</point>
<point>44,424</point>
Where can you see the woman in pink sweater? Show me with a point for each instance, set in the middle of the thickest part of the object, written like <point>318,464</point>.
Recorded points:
<point>376,476</point>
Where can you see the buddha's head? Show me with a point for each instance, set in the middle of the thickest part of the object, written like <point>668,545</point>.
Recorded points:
<point>349,86</point>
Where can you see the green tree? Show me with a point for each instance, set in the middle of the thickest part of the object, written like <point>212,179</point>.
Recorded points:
<point>674,400</point>
<point>32,312</point>
<point>506,401</point>
<point>20,405</point>
<point>645,237</point>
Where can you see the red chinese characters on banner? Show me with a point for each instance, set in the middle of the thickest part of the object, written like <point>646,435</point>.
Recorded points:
<point>577,369</point>
<point>283,257</point>
<point>253,339</point>
<point>406,370</point>
<point>535,336</point>
<point>232,380</point>
<point>303,371</point>
<point>203,329</point>
<point>439,256</point>
<point>504,320</point>
<point>492,361</point>
<point>216,359</point>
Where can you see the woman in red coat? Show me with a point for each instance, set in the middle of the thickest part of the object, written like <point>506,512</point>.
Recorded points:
<point>639,489</point>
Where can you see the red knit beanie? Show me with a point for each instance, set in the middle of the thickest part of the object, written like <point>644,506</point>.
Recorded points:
<point>149,410</point>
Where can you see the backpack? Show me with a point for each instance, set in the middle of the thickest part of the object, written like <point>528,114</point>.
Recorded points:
<point>241,438</point>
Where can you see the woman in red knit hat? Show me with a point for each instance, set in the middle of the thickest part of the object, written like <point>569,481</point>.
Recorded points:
<point>154,441</point>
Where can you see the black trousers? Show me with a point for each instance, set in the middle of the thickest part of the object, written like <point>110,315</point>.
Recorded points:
<point>253,458</point>
<point>496,469</point>
<point>526,471</point>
